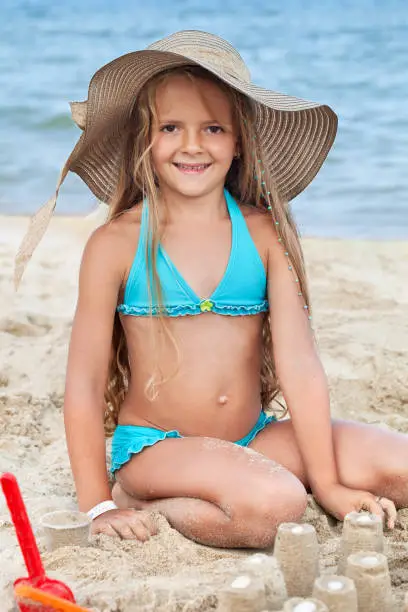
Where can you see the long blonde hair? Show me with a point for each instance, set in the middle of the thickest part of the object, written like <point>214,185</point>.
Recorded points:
<point>249,182</point>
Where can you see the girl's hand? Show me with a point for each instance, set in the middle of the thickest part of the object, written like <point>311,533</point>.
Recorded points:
<point>126,524</point>
<point>339,501</point>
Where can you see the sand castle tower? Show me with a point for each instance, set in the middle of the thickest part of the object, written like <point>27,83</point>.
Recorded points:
<point>266,567</point>
<point>297,551</point>
<point>371,576</point>
<point>298,604</point>
<point>242,594</point>
<point>337,592</point>
<point>362,532</point>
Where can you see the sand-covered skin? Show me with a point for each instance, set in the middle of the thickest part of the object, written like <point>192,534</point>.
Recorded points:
<point>360,299</point>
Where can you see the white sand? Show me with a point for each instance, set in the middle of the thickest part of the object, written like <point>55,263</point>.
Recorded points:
<point>360,298</point>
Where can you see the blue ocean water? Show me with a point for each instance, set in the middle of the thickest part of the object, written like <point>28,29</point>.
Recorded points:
<point>350,55</point>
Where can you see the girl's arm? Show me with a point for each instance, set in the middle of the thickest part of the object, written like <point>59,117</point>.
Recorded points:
<point>99,281</point>
<point>299,370</point>
<point>305,389</point>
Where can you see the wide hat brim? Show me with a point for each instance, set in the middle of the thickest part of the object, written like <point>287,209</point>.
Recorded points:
<point>294,134</point>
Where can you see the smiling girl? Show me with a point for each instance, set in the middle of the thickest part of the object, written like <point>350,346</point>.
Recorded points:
<point>193,311</point>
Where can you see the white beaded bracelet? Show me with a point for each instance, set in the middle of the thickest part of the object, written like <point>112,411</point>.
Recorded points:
<point>99,509</point>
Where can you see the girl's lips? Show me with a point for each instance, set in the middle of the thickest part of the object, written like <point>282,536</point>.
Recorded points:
<point>192,168</point>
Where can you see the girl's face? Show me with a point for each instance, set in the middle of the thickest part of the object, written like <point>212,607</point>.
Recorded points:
<point>194,140</point>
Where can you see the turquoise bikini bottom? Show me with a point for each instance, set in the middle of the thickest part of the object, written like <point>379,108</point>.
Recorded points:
<point>129,440</point>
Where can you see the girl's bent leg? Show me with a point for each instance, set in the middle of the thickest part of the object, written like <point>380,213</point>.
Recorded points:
<point>189,516</point>
<point>213,491</point>
<point>367,456</point>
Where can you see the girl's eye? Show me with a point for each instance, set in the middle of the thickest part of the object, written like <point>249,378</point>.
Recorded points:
<point>168,129</point>
<point>215,129</point>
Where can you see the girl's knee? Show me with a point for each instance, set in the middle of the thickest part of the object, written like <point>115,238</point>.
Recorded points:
<point>281,504</point>
<point>263,508</point>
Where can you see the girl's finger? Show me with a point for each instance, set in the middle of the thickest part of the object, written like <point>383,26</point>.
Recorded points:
<point>125,530</point>
<point>107,529</point>
<point>149,522</point>
<point>390,510</point>
<point>140,530</point>
<point>370,504</point>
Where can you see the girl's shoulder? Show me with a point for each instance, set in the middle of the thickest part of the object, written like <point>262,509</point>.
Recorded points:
<point>120,230</point>
<point>261,229</point>
<point>115,242</point>
<point>258,220</point>
<point>249,210</point>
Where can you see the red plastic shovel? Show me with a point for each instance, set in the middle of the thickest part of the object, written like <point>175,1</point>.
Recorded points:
<point>29,548</point>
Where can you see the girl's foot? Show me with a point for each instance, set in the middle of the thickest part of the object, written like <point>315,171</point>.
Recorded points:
<point>123,500</point>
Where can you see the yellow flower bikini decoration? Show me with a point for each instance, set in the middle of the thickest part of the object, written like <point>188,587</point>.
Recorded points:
<point>206,305</point>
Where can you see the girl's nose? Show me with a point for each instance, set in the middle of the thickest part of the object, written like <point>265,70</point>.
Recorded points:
<point>191,141</point>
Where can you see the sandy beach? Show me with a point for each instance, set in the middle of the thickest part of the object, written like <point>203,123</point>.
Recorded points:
<point>360,303</point>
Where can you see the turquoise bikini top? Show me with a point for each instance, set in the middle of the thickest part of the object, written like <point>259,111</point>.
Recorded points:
<point>242,290</point>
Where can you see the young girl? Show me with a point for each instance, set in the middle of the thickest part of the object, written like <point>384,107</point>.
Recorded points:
<point>193,311</point>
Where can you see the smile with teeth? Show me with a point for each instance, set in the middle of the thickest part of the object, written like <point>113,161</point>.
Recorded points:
<point>192,168</point>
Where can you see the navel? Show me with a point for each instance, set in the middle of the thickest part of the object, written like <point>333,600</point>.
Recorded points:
<point>223,399</point>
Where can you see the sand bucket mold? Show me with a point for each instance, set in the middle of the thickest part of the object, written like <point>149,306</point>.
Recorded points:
<point>66,528</point>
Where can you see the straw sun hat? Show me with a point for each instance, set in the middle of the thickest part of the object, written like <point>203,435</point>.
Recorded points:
<point>295,135</point>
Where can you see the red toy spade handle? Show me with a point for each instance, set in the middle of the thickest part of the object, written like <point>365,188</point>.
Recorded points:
<point>22,526</point>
